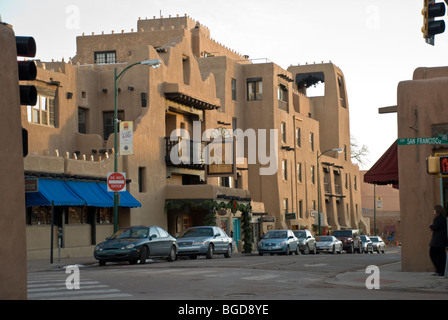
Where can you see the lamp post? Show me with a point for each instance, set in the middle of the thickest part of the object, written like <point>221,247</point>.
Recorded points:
<point>155,63</point>
<point>339,150</point>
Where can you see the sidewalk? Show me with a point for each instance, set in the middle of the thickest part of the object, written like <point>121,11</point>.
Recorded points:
<point>392,278</point>
<point>45,265</point>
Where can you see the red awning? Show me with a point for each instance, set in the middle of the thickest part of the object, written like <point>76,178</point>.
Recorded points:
<point>385,170</point>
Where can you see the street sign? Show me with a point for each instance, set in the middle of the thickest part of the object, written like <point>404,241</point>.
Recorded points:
<point>440,139</point>
<point>31,184</point>
<point>116,181</point>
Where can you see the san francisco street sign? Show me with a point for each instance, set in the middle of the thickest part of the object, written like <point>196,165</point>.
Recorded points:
<point>441,139</point>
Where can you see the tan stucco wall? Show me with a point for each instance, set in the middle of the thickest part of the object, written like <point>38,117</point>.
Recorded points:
<point>13,277</point>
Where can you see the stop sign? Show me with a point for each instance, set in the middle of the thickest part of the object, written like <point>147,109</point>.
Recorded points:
<point>116,181</point>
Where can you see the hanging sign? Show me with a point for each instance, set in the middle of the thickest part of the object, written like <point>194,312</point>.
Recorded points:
<point>126,138</point>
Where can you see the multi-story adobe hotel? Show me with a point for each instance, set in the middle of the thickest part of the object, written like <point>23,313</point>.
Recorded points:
<point>201,91</point>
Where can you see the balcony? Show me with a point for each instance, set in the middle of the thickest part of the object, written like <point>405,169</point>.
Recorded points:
<point>188,154</point>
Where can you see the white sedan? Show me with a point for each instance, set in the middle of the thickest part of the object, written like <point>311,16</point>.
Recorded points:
<point>328,244</point>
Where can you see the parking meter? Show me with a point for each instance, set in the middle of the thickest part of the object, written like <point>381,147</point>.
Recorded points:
<point>60,235</point>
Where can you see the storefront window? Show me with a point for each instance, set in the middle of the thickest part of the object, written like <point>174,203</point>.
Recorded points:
<point>38,215</point>
<point>77,215</point>
<point>104,215</point>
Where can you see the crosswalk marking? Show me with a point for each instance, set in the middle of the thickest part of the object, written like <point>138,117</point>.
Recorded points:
<point>261,277</point>
<point>53,287</point>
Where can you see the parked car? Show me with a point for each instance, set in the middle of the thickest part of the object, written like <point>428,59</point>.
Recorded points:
<point>350,240</point>
<point>329,244</point>
<point>307,243</point>
<point>136,243</point>
<point>378,244</point>
<point>367,245</point>
<point>278,241</point>
<point>204,240</point>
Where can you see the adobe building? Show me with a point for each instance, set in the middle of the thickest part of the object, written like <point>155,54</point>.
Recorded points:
<point>421,105</point>
<point>421,112</point>
<point>202,92</point>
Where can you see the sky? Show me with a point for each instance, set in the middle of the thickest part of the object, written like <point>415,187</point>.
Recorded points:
<point>376,43</point>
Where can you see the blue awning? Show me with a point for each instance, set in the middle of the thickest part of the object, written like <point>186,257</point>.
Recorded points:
<point>77,193</point>
<point>92,194</point>
<point>126,199</point>
<point>53,190</point>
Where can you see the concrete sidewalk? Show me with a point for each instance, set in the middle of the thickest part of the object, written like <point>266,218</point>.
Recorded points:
<point>391,277</point>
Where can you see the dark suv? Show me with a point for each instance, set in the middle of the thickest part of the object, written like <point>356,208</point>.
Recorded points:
<point>350,240</point>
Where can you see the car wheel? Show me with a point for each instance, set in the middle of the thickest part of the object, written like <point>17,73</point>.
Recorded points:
<point>351,249</point>
<point>228,253</point>
<point>172,255</point>
<point>287,252</point>
<point>306,250</point>
<point>209,253</point>
<point>143,255</point>
<point>102,262</point>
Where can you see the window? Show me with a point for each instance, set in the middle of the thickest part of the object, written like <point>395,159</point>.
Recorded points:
<point>108,122</point>
<point>141,179</point>
<point>284,169</point>
<point>105,215</point>
<point>312,141</point>
<point>299,172</point>
<point>313,180</point>
<point>38,215</point>
<point>162,233</point>
<point>285,205</point>
<point>76,215</point>
<point>282,93</point>
<point>43,112</point>
<point>283,131</point>
<point>82,120</point>
<point>234,89</point>
<point>300,209</point>
<point>342,91</point>
<point>254,89</point>
<point>105,57</point>
<point>298,137</point>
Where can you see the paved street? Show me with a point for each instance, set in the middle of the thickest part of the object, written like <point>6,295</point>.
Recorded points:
<point>242,277</point>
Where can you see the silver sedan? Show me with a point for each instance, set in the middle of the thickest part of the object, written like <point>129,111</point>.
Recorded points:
<point>378,244</point>
<point>204,240</point>
<point>328,244</point>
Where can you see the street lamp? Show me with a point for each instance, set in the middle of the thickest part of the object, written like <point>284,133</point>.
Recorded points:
<point>154,63</point>
<point>339,150</point>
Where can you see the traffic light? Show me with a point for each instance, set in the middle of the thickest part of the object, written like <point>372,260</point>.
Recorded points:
<point>26,47</point>
<point>431,27</point>
<point>437,164</point>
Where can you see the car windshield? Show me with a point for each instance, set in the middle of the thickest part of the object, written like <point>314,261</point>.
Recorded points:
<point>365,238</point>
<point>324,238</point>
<point>275,235</point>
<point>374,239</point>
<point>300,234</point>
<point>133,232</point>
<point>196,232</point>
<point>343,233</point>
